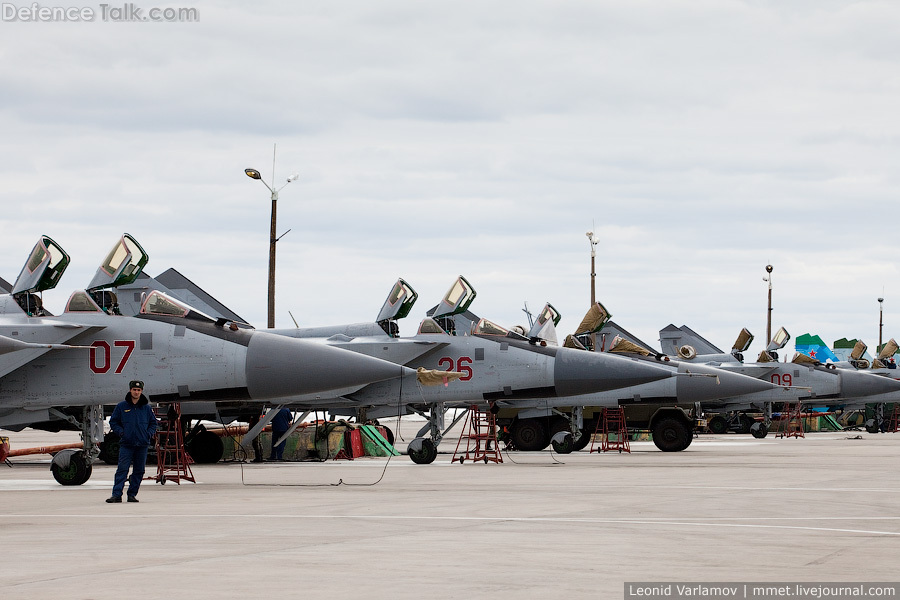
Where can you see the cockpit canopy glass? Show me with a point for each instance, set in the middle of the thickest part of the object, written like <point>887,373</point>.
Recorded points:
<point>80,301</point>
<point>779,340</point>
<point>429,325</point>
<point>457,299</point>
<point>44,267</point>
<point>485,327</point>
<point>121,266</point>
<point>162,305</point>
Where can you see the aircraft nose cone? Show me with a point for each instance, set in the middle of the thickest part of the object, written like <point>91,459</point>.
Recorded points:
<point>281,366</point>
<point>855,384</point>
<point>578,372</point>
<point>697,383</point>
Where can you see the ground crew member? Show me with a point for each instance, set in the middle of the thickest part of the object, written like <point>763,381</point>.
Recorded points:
<point>135,424</point>
<point>280,425</point>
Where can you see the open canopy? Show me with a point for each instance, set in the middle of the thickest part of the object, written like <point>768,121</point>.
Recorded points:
<point>121,266</point>
<point>44,267</point>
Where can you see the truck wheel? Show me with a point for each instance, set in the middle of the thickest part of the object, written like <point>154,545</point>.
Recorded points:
<point>718,425</point>
<point>671,434</point>
<point>530,435</point>
<point>744,423</point>
<point>109,449</point>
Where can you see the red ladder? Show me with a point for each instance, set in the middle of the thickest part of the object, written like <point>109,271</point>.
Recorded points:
<point>480,433</point>
<point>172,461</point>
<point>791,424</point>
<point>894,425</point>
<point>613,423</point>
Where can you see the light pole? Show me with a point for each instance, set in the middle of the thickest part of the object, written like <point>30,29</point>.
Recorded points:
<point>254,174</point>
<point>593,242</point>
<point>769,269</point>
<point>880,320</point>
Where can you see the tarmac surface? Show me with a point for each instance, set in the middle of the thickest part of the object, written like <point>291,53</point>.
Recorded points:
<point>540,525</point>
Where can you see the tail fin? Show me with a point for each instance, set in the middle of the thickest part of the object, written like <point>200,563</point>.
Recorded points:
<point>813,347</point>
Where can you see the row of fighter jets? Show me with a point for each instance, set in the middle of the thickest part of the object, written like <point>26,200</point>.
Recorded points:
<point>62,370</point>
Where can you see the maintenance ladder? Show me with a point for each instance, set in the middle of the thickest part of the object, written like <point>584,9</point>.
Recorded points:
<point>791,423</point>
<point>612,422</point>
<point>894,424</point>
<point>480,433</point>
<point>173,463</point>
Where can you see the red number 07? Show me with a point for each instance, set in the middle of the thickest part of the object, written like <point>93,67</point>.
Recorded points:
<point>103,355</point>
<point>462,365</point>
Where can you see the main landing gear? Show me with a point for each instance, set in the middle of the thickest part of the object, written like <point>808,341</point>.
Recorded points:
<point>74,467</point>
<point>422,450</point>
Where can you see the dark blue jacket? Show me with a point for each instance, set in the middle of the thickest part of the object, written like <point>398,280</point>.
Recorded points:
<point>282,420</point>
<point>135,424</point>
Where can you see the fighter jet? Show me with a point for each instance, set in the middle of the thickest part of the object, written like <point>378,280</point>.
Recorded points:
<point>854,357</point>
<point>64,368</point>
<point>806,379</point>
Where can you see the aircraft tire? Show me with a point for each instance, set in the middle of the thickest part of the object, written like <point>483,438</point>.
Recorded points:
<point>586,434</point>
<point>426,455</point>
<point>109,448</point>
<point>205,448</point>
<point>671,434</point>
<point>759,430</point>
<point>567,446</point>
<point>76,473</point>
<point>872,426</point>
<point>530,435</point>
<point>718,425</point>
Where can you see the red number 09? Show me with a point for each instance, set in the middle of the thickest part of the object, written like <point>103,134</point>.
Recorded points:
<point>104,355</point>
<point>462,366</point>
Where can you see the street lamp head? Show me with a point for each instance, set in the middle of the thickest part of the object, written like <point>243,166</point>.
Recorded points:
<point>252,173</point>
<point>769,268</point>
<point>880,300</point>
<point>293,177</point>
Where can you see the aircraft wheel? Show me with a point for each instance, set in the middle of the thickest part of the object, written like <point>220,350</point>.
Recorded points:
<point>671,434</point>
<point>759,430</point>
<point>745,423</point>
<point>425,454</point>
<point>586,435</point>
<point>530,435</point>
<point>76,473</point>
<point>564,446</point>
<point>718,425</point>
<point>872,426</point>
<point>205,448</point>
<point>109,449</point>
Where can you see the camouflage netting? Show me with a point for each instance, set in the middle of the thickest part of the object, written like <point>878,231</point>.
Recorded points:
<point>434,377</point>
<point>596,317</point>
<point>623,346</point>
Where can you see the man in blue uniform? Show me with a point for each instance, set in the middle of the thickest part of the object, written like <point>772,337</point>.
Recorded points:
<point>135,424</point>
<point>280,424</point>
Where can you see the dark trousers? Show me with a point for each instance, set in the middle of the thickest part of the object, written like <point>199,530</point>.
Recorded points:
<point>130,456</point>
<point>277,451</point>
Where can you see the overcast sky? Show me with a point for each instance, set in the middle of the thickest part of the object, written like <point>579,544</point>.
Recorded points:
<point>700,139</point>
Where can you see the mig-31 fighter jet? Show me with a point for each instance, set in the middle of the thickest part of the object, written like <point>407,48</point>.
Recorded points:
<point>63,369</point>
